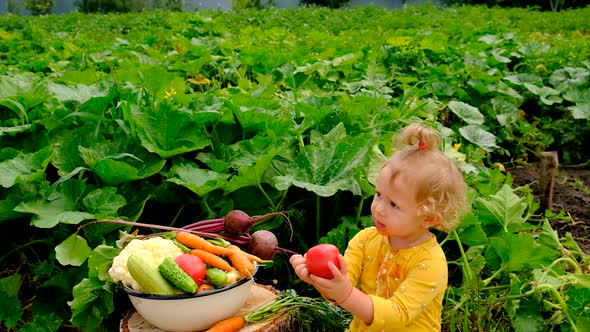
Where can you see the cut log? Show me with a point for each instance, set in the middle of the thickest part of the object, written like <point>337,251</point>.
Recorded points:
<point>259,295</point>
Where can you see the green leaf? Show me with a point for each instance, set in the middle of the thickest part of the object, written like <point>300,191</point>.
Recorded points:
<point>48,211</point>
<point>100,260</point>
<point>470,231</point>
<point>257,115</point>
<point>526,315</point>
<point>16,195</point>
<point>74,217</point>
<point>104,202</point>
<point>578,280</point>
<point>569,77</point>
<point>29,167</point>
<point>505,206</point>
<point>168,131</point>
<point>43,323</point>
<point>14,129</point>
<point>479,136</point>
<point>547,95</point>
<point>45,212</point>
<point>252,159</point>
<point>28,88</point>
<point>577,299</point>
<point>580,111</point>
<point>199,181</point>
<point>549,237</point>
<point>521,251</point>
<point>10,307</point>
<point>93,301</point>
<point>79,93</point>
<point>251,175</point>
<point>523,78</point>
<point>340,235</point>
<point>72,251</point>
<point>119,159</point>
<point>330,163</point>
<point>376,161</point>
<point>506,112</point>
<point>114,172</point>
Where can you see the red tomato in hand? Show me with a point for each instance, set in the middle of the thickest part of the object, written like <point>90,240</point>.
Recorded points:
<point>318,257</point>
<point>193,266</point>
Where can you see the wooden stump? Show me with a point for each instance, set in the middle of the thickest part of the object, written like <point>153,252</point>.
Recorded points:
<point>549,164</point>
<point>259,294</point>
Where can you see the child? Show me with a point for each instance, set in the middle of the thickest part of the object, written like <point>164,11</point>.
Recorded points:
<point>393,275</point>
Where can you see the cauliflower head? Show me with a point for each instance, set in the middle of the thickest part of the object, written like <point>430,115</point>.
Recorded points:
<point>155,248</point>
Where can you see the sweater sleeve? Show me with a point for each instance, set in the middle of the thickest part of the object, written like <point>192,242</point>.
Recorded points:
<point>419,294</point>
<point>354,256</point>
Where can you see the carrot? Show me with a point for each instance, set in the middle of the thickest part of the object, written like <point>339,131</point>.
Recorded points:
<point>240,261</point>
<point>196,242</point>
<point>212,259</point>
<point>251,257</point>
<point>231,324</point>
<point>254,258</point>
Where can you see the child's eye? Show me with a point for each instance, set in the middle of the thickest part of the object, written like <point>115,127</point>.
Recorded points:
<point>393,204</point>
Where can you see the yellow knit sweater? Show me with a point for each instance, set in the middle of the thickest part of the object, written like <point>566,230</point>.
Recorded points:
<point>407,286</point>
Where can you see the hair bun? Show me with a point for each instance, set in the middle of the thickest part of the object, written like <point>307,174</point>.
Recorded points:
<point>424,138</point>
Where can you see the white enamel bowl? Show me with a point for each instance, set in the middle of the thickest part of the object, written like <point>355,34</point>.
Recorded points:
<point>191,312</point>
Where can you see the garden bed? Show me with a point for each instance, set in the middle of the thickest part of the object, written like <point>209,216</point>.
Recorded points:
<point>571,193</point>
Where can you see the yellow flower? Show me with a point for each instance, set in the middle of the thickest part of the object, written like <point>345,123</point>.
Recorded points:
<point>457,146</point>
<point>170,93</point>
<point>500,167</point>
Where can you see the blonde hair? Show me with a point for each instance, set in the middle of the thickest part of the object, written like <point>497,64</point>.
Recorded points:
<point>438,184</point>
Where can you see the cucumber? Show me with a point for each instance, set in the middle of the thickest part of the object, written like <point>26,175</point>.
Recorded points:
<point>176,275</point>
<point>146,273</point>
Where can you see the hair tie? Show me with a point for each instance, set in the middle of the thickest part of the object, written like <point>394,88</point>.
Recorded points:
<point>422,145</point>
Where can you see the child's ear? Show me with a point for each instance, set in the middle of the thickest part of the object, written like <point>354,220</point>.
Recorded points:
<point>433,219</point>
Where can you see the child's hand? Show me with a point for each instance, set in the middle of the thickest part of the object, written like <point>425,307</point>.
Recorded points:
<point>337,288</point>
<point>299,264</point>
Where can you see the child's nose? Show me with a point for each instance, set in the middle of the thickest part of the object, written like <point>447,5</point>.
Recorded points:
<point>379,208</point>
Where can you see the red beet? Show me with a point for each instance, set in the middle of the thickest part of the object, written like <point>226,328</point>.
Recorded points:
<point>238,222</point>
<point>263,244</point>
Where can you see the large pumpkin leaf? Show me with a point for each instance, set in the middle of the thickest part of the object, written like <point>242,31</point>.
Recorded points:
<point>22,167</point>
<point>330,163</point>
<point>168,131</point>
<point>198,180</point>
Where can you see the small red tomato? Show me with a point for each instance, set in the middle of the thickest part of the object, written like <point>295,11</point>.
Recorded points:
<point>193,266</point>
<point>318,257</point>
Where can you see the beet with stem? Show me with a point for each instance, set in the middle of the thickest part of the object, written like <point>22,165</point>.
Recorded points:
<point>264,244</point>
<point>238,222</point>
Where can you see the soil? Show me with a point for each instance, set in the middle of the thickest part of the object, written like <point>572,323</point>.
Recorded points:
<point>571,193</point>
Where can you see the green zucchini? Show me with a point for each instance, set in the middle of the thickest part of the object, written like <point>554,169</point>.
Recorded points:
<point>176,275</point>
<point>146,273</point>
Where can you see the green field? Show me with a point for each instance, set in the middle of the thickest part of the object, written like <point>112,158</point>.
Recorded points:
<point>170,118</point>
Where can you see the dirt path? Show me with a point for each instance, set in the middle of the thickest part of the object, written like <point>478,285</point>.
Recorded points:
<point>571,193</point>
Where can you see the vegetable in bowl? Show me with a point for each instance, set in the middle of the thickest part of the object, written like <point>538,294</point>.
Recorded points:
<point>191,312</point>
<point>154,248</point>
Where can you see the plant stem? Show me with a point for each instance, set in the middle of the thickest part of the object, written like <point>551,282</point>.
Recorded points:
<point>359,210</point>
<point>494,275</point>
<point>317,218</point>
<point>466,265</point>
<point>177,215</point>
<point>19,248</point>
<point>270,202</point>
<point>568,260</point>
<point>238,240</point>
<point>562,303</point>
